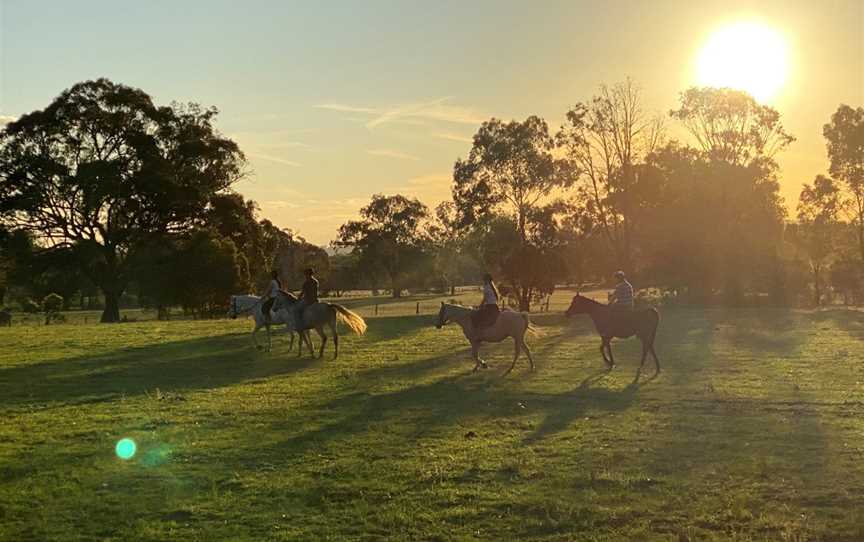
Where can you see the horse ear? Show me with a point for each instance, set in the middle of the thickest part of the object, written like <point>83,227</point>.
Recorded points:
<point>442,303</point>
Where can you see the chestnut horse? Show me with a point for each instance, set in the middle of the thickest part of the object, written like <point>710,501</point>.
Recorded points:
<point>610,323</point>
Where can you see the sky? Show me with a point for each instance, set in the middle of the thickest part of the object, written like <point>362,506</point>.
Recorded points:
<point>335,101</point>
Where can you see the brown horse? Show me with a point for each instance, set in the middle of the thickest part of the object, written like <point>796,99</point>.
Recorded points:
<point>610,323</point>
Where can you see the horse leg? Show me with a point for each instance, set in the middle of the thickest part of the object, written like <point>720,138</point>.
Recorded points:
<point>299,343</point>
<point>644,355</point>
<point>335,337</point>
<point>517,348</point>
<point>320,330</point>
<point>654,355</point>
<point>269,341</point>
<point>603,351</point>
<point>309,343</point>
<point>609,349</point>
<point>528,352</point>
<point>606,346</point>
<point>475,353</point>
<point>255,337</point>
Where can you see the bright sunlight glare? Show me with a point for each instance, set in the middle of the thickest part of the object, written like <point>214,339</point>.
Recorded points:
<point>746,56</point>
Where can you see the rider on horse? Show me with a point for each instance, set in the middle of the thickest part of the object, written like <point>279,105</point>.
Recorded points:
<point>489,310</point>
<point>271,296</point>
<point>308,296</point>
<point>622,298</point>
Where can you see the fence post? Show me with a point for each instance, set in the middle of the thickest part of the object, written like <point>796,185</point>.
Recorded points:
<point>547,304</point>
<point>418,308</point>
<point>376,309</point>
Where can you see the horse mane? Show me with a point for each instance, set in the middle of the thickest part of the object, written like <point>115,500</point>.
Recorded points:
<point>591,301</point>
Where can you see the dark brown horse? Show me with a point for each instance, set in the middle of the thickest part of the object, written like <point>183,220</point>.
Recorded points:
<point>610,323</point>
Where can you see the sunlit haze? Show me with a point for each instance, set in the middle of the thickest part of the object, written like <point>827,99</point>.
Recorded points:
<point>331,103</point>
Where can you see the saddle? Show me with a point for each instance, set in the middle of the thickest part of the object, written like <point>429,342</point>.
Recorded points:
<point>484,317</point>
<point>298,317</point>
<point>622,322</point>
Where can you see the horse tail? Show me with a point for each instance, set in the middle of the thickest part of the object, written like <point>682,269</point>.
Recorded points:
<point>353,320</point>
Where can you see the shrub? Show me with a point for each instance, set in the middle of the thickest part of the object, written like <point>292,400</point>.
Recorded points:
<point>52,305</point>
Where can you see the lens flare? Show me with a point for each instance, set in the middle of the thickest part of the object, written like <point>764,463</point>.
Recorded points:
<point>125,448</point>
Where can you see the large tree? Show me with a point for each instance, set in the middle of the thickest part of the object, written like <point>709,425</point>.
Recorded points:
<point>712,227</point>
<point>103,169</point>
<point>606,140</point>
<point>819,206</point>
<point>389,239</point>
<point>730,126</point>
<point>845,138</point>
<point>511,172</point>
<point>197,270</point>
<point>454,263</point>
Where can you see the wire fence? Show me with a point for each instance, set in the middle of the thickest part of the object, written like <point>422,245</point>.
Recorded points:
<point>366,306</point>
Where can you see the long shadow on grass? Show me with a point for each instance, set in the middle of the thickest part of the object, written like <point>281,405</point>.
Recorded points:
<point>203,363</point>
<point>176,366</point>
<point>417,411</point>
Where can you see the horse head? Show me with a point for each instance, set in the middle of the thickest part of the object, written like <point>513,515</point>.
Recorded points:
<point>442,316</point>
<point>579,305</point>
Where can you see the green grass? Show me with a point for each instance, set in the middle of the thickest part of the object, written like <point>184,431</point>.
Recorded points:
<point>754,431</point>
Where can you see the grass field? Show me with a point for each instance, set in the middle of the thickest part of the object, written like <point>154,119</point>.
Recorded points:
<point>754,431</point>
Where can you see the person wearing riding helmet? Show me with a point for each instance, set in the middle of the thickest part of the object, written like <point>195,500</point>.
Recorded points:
<point>622,297</point>
<point>271,296</point>
<point>308,296</point>
<point>489,310</point>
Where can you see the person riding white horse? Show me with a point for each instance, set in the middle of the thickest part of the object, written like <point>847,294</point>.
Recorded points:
<point>507,324</point>
<point>272,295</point>
<point>254,305</point>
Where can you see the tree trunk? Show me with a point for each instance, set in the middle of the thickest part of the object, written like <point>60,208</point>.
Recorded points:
<point>111,313</point>
<point>816,286</point>
<point>861,236</point>
<point>524,299</point>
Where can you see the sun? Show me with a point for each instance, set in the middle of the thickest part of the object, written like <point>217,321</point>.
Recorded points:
<point>746,56</point>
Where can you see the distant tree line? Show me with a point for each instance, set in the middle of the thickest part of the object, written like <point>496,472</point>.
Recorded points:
<point>701,223</point>
<point>107,198</point>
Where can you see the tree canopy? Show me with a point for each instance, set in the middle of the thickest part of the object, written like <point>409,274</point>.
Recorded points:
<point>103,169</point>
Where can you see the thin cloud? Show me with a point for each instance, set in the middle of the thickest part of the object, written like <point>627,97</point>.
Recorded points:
<point>6,119</point>
<point>275,159</point>
<point>342,108</point>
<point>279,204</point>
<point>389,153</point>
<point>436,110</point>
<point>454,137</point>
<point>285,145</point>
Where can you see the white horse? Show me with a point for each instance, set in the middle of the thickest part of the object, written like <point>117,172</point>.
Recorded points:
<point>252,304</point>
<point>509,324</point>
